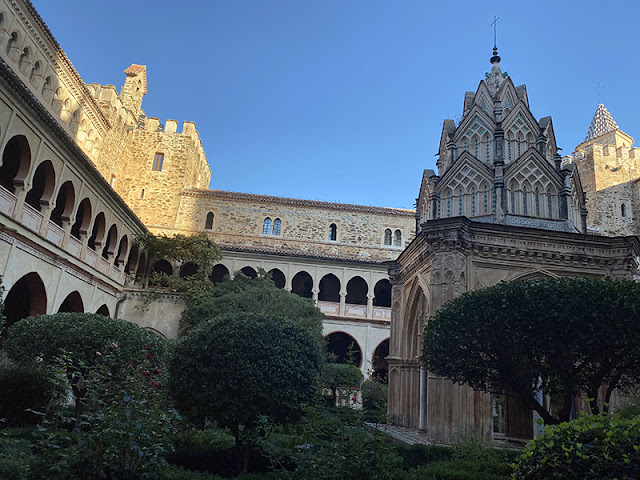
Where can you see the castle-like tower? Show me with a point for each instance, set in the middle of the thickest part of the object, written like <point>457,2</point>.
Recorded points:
<point>609,166</point>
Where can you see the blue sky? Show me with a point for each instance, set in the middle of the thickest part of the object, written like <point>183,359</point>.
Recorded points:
<point>343,100</point>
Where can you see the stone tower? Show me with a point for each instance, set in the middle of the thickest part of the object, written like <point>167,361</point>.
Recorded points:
<point>609,170</point>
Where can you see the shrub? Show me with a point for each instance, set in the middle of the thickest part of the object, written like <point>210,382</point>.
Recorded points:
<point>16,458</point>
<point>591,447</point>
<point>24,388</point>
<point>461,470</point>
<point>419,455</point>
<point>374,401</point>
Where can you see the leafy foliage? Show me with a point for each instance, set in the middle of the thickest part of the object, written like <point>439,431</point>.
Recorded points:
<point>556,336</point>
<point>244,369</point>
<point>591,447</point>
<point>23,390</point>
<point>339,376</point>
<point>375,400</point>
<point>253,295</point>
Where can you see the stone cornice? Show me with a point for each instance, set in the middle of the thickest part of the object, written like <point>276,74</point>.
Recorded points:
<point>32,105</point>
<point>63,65</point>
<point>250,197</point>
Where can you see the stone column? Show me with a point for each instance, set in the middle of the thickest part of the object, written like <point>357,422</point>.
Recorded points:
<point>343,298</point>
<point>370,298</point>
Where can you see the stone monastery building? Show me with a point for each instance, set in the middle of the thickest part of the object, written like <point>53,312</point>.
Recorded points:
<point>84,170</point>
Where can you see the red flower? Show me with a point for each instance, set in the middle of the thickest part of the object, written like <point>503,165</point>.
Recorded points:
<point>149,356</point>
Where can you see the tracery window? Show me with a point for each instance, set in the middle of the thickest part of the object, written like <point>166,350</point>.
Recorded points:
<point>513,198</point>
<point>448,203</point>
<point>397,238</point>
<point>276,227</point>
<point>549,204</point>
<point>487,149</point>
<point>266,226</point>
<point>460,198</point>
<point>476,147</point>
<point>387,237</point>
<point>486,199</point>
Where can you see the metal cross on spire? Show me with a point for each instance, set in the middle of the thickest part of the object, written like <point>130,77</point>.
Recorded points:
<point>495,33</point>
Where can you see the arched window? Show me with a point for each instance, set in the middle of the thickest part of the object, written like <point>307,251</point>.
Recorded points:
<point>524,200</point>
<point>329,289</point>
<point>266,226</point>
<point>387,236</point>
<point>208,224</point>
<point>513,197</point>
<point>158,160</point>
<point>623,210</point>
<point>460,199</point>
<point>16,160</point>
<point>449,203</point>
<point>397,238</point>
<point>64,204</point>
<point>549,204</point>
<point>142,193</point>
<point>276,226</point>
<point>537,195</point>
<point>83,219</point>
<point>333,232</point>
<point>473,201</point>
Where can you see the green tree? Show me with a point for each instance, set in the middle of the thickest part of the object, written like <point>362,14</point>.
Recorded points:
<point>559,336</point>
<point>83,339</point>
<point>339,376</point>
<point>253,295</point>
<point>241,369</point>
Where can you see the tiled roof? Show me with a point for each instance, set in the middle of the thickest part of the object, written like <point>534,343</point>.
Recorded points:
<point>601,123</point>
<point>196,192</point>
<point>135,69</point>
<point>287,252</point>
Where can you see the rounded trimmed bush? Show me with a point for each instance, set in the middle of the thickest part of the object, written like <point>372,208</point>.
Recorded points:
<point>593,447</point>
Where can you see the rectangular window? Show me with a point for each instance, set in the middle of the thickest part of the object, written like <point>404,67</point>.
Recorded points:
<point>157,162</point>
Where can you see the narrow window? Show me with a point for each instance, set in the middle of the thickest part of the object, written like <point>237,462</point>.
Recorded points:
<point>266,226</point>
<point>460,197</point>
<point>549,204</point>
<point>387,237</point>
<point>519,141</point>
<point>476,145</point>
<point>449,203</point>
<point>623,210</point>
<point>142,193</point>
<point>208,224</point>
<point>397,238</point>
<point>486,200</point>
<point>466,146</point>
<point>333,232</point>
<point>509,149</point>
<point>158,160</point>
<point>537,202</point>
<point>487,148</point>
<point>473,201</point>
<point>524,199</point>
<point>276,226</point>
<point>513,198</point>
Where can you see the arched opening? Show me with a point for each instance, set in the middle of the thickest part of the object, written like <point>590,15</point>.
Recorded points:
<point>387,236</point>
<point>329,289</point>
<point>278,278</point>
<point>266,226</point>
<point>64,204</point>
<point>333,232</point>
<point>623,210</point>
<point>142,265</point>
<point>131,260</point>
<point>397,237</point>
<point>249,272</point>
<point>110,243</point>
<point>73,303</point>
<point>42,185</point>
<point>27,297</point>
<point>188,270</point>
<point>83,219</point>
<point>382,292</point>
<point>122,251</point>
<point>103,310</point>
<point>162,266</point>
<point>16,160</point>
<point>379,363</point>
<point>302,285</point>
<point>208,224</point>
<point>344,348</point>
<point>277,224</point>
<point>97,232</point>
<point>357,290</point>
<point>219,273</point>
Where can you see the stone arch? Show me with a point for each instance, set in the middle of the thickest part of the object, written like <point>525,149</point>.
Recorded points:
<point>27,297</point>
<point>72,303</point>
<point>532,274</point>
<point>382,293</point>
<point>65,201</point>
<point>103,310</point>
<point>340,344</point>
<point>415,323</point>
<point>249,272</point>
<point>162,266</point>
<point>42,186</point>
<point>132,260</point>
<point>97,232</point>
<point>208,223</point>
<point>218,273</point>
<point>302,284</point>
<point>357,290</point>
<point>13,45</point>
<point>24,62</point>
<point>123,248</point>
<point>189,269</point>
<point>329,289</point>
<point>110,242</point>
<point>16,161</point>
<point>379,362</point>
<point>83,219</point>
<point>278,277</point>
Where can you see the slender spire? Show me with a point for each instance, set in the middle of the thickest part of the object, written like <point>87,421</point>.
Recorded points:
<point>601,123</point>
<point>495,58</point>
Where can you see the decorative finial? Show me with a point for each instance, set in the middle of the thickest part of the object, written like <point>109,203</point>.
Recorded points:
<point>495,58</point>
